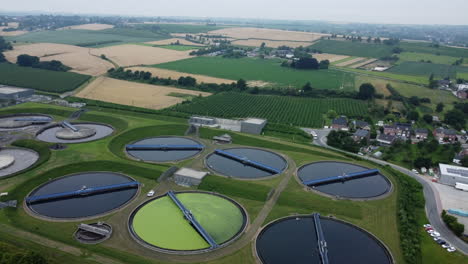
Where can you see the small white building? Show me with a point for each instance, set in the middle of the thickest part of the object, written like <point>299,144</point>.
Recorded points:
<point>380,69</point>
<point>188,177</point>
<point>451,175</point>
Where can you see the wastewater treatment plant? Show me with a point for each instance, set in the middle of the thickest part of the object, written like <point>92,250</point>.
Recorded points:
<point>111,190</point>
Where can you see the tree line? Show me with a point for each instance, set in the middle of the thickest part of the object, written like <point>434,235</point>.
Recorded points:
<point>25,60</point>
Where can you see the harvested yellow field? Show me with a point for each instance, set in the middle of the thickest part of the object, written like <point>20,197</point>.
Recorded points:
<point>11,33</point>
<point>349,62</point>
<point>379,84</point>
<point>134,94</point>
<point>357,65</point>
<point>173,40</point>
<point>328,56</point>
<point>271,43</point>
<point>269,34</point>
<point>89,27</point>
<point>163,73</point>
<point>75,57</point>
<point>134,55</point>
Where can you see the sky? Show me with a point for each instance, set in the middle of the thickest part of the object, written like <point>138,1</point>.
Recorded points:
<point>450,12</point>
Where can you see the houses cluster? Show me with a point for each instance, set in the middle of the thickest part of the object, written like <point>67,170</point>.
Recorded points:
<point>459,90</point>
<point>362,128</point>
<point>462,90</point>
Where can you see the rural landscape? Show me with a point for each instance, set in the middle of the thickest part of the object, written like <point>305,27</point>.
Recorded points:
<point>164,138</point>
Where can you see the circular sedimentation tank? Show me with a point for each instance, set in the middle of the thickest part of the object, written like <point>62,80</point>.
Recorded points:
<point>13,160</point>
<point>9,122</point>
<point>166,155</point>
<point>159,223</point>
<point>86,237</point>
<point>238,169</point>
<point>294,240</point>
<point>81,206</point>
<point>87,132</point>
<point>358,188</point>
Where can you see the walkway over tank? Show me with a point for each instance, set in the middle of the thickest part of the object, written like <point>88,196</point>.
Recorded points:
<point>321,243</point>
<point>344,177</point>
<point>188,215</point>
<point>82,192</point>
<point>246,161</point>
<point>94,229</point>
<point>67,124</point>
<point>33,119</point>
<point>164,147</point>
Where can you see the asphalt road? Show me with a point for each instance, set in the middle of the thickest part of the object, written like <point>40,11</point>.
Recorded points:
<point>433,205</point>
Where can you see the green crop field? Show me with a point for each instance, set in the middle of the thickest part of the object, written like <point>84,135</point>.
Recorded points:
<point>426,69</point>
<point>439,59</point>
<point>179,28</point>
<point>262,70</point>
<point>218,216</point>
<point>44,80</point>
<point>423,47</point>
<point>178,47</point>
<point>90,38</point>
<point>358,49</point>
<point>277,109</point>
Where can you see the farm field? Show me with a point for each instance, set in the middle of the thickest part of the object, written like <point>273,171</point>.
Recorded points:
<point>402,77</point>
<point>130,55</point>
<point>349,48</point>
<point>362,63</point>
<point>134,94</point>
<point>173,40</point>
<point>89,27</point>
<point>349,62</point>
<point>75,57</point>
<point>270,43</point>
<point>330,57</point>
<point>262,70</point>
<point>426,69</point>
<point>43,80</point>
<point>163,73</point>
<point>88,38</point>
<point>190,28</point>
<point>438,59</point>
<point>267,34</point>
<point>178,47</point>
<point>300,111</point>
<point>423,47</point>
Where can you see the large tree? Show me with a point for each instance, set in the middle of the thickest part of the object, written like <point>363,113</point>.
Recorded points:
<point>27,61</point>
<point>366,91</point>
<point>455,118</point>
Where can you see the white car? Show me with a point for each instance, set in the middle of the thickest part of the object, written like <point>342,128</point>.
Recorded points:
<point>415,171</point>
<point>435,234</point>
<point>446,245</point>
<point>430,231</point>
<point>427,225</point>
<point>451,249</point>
<point>150,193</point>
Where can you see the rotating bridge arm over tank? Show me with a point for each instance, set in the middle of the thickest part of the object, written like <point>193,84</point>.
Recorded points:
<point>32,119</point>
<point>247,161</point>
<point>81,192</point>
<point>67,124</point>
<point>345,177</point>
<point>164,147</point>
<point>321,242</point>
<point>188,215</point>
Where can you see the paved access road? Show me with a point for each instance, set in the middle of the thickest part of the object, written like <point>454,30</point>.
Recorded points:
<point>433,204</point>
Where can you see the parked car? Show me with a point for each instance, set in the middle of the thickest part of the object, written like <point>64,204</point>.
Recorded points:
<point>441,241</point>
<point>415,171</point>
<point>435,234</point>
<point>430,231</point>
<point>428,228</point>
<point>427,225</point>
<point>150,193</point>
<point>451,249</point>
<point>446,245</point>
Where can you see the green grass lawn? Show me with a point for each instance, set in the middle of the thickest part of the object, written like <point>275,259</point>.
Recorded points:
<point>263,70</point>
<point>358,49</point>
<point>89,38</point>
<point>161,223</point>
<point>424,47</point>
<point>43,80</point>
<point>426,69</point>
<point>415,56</point>
<point>401,77</point>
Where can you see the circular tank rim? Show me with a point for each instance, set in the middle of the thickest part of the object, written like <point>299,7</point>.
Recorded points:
<point>130,156</point>
<point>75,234</point>
<point>25,169</point>
<point>282,156</point>
<point>265,227</point>
<point>378,197</point>
<point>23,114</point>
<point>186,252</point>
<point>72,219</point>
<point>75,123</point>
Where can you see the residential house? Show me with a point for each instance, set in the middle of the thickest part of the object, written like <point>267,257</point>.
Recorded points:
<point>386,140</point>
<point>340,123</point>
<point>444,83</point>
<point>462,94</point>
<point>459,156</point>
<point>361,124</point>
<point>421,133</point>
<point>442,133</point>
<point>401,130</point>
<point>462,86</point>
<point>361,134</point>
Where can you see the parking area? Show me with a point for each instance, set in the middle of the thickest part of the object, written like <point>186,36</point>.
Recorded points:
<point>452,198</point>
